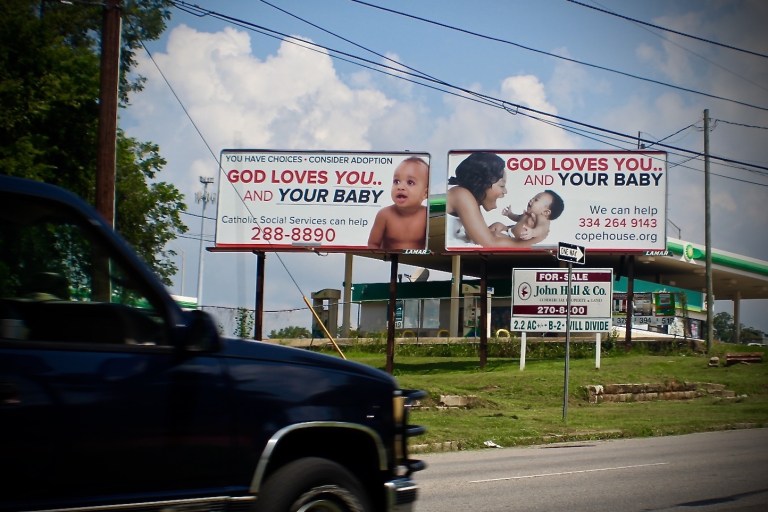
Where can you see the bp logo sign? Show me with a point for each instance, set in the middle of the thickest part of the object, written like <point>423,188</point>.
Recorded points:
<point>691,254</point>
<point>688,252</point>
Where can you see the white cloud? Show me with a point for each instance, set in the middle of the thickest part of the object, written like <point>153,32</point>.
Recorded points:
<point>571,83</point>
<point>293,99</point>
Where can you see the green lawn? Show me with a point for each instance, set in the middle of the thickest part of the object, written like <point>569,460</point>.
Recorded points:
<point>515,407</point>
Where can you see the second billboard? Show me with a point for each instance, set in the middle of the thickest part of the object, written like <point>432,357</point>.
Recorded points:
<point>500,201</point>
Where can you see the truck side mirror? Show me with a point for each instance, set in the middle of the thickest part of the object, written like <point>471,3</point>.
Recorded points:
<point>199,333</point>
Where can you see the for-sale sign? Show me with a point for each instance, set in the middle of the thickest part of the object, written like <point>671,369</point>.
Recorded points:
<point>499,201</point>
<point>540,300</point>
<point>330,200</point>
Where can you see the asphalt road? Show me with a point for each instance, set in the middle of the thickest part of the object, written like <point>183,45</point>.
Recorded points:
<point>715,471</point>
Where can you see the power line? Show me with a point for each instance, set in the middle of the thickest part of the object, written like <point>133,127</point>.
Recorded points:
<point>705,59</point>
<point>198,215</point>
<point>549,54</point>
<point>695,156</point>
<point>398,72</point>
<point>702,39</point>
<point>741,124</point>
<point>193,237</point>
<point>345,39</point>
<point>670,135</point>
<point>218,163</point>
<point>170,87</point>
<point>481,98</point>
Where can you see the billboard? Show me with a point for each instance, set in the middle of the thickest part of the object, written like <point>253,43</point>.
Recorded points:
<point>329,200</point>
<point>540,299</point>
<point>498,201</point>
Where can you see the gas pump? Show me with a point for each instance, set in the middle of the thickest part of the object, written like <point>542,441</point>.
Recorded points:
<point>326,305</point>
<point>472,310</point>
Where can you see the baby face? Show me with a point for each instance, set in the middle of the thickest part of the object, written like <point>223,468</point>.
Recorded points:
<point>410,184</point>
<point>540,203</point>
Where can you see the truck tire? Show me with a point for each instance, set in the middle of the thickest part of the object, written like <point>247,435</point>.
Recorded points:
<point>312,485</point>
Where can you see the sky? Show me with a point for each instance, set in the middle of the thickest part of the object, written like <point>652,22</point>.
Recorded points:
<point>215,84</point>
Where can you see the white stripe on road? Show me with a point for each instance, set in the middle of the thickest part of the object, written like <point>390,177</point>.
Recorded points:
<point>568,472</point>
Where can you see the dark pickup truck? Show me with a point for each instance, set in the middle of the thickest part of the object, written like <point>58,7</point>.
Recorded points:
<point>112,397</point>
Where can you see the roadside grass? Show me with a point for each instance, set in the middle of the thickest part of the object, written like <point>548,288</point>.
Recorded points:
<point>515,407</point>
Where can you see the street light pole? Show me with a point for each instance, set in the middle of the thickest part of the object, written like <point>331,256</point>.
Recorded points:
<point>203,197</point>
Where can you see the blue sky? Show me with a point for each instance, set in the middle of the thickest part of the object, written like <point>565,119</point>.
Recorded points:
<point>243,89</point>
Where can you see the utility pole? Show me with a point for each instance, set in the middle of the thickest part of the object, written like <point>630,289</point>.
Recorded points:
<point>708,236</point>
<point>630,272</point>
<point>203,197</point>
<point>107,128</point>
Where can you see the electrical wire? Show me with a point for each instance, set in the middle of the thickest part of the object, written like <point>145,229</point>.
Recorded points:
<point>198,216</point>
<point>704,58</point>
<point>178,100</point>
<point>488,100</point>
<point>741,124</point>
<point>218,163</point>
<point>702,39</point>
<point>568,59</point>
<point>482,98</point>
<point>670,135</point>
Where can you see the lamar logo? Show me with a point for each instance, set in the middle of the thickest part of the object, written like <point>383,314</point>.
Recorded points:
<point>417,251</point>
<point>658,253</point>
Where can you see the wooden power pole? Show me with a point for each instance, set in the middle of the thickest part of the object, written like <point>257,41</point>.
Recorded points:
<point>708,238</point>
<point>107,129</point>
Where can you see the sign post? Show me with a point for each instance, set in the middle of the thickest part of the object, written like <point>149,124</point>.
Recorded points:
<point>567,344</point>
<point>572,254</point>
<point>560,300</point>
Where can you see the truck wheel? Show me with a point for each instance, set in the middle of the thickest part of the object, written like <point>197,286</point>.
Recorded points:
<point>312,485</point>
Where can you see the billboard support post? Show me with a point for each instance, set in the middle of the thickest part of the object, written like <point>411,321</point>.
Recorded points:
<point>482,322</point>
<point>391,318</point>
<point>258,310</point>
<point>630,303</point>
<point>567,342</point>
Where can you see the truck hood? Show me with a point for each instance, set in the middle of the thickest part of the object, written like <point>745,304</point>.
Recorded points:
<point>264,351</point>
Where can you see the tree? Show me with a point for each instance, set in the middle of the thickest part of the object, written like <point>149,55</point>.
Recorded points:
<point>148,214</point>
<point>244,322</point>
<point>750,334</point>
<point>49,90</point>
<point>723,324</point>
<point>291,332</point>
<point>726,329</point>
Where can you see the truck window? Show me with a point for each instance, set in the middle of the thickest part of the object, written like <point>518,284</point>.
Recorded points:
<point>58,283</point>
